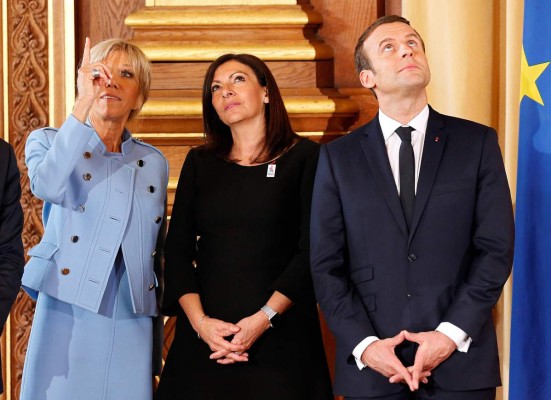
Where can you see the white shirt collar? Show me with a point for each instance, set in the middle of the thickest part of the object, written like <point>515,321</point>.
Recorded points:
<point>419,122</point>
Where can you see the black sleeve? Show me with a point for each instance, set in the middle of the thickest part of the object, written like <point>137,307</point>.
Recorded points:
<point>295,281</point>
<point>180,248</point>
<point>11,224</point>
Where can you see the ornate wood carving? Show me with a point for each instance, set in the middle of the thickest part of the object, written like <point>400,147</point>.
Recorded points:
<point>27,99</point>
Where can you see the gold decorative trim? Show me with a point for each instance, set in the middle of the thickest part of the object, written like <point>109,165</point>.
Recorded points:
<point>197,135</point>
<point>321,106</point>
<point>268,50</point>
<point>6,124</point>
<point>172,183</point>
<point>223,16</point>
<point>61,70</point>
<point>215,2</point>
<point>170,107</point>
<point>70,56</point>
<point>149,136</point>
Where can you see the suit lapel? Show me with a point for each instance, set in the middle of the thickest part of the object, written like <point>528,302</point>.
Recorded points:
<point>374,149</point>
<point>435,141</point>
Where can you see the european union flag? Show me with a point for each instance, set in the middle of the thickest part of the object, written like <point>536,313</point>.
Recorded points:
<point>530,369</point>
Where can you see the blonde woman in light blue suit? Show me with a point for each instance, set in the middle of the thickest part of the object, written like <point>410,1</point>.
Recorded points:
<point>96,271</point>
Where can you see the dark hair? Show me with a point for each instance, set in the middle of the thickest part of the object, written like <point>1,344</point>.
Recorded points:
<point>361,60</point>
<point>279,133</point>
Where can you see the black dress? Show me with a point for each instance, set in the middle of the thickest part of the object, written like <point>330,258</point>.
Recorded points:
<point>248,235</point>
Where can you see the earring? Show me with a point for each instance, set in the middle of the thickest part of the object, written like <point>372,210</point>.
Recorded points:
<point>265,99</point>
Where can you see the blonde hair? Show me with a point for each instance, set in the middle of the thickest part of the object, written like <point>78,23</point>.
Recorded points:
<point>137,59</point>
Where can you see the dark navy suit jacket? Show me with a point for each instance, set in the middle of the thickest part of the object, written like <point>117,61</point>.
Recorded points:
<point>11,225</point>
<point>373,277</point>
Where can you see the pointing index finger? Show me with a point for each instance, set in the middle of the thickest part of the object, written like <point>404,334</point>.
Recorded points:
<point>86,54</point>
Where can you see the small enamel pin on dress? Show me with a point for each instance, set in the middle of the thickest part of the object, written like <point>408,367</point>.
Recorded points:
<point>271,171</point>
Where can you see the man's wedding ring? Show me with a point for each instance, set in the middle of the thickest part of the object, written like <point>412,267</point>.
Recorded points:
<point>95,73</point>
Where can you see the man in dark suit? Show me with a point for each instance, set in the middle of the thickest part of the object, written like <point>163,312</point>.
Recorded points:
<point>11,225</point>
<point>411,237</point>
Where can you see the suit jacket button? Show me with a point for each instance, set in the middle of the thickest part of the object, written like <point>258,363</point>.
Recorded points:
<point>80,208</point>
<point>87,176</point>
<point>74,238</point>
<point>151,287</point>
<point>87,155</point>
<point>151,189</point>
<point>412,257</point>
<point>158,219</point>
<point>65,271</point>
<point>141,163</point>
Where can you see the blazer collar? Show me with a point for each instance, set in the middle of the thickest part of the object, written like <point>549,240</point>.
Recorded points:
<point>373,146</point>
<point>127,145</point>
<point>435,142</point>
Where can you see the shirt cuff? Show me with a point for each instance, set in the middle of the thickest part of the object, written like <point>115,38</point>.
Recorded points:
<point>459,337</point>
<point>360,348</point>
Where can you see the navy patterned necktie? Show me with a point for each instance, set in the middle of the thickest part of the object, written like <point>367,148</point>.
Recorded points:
<point>407,173</point>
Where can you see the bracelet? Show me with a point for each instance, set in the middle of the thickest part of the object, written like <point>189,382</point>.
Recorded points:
<point>200,322</point>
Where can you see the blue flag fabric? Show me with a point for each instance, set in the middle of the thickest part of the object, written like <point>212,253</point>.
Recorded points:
<point>530,367</point>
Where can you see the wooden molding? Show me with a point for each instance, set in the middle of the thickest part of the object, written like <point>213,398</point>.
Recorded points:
<point>208,51</point>
<point>215,2</point>
<point>213,17</point>
<point>303,105</point>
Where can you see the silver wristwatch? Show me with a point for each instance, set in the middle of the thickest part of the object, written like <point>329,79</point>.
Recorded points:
<point>272,315</point>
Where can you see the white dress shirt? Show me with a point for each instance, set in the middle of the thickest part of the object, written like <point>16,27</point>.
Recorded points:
<point>392,143</point>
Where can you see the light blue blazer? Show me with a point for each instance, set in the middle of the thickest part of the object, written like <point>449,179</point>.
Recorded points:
<point>94,205</point>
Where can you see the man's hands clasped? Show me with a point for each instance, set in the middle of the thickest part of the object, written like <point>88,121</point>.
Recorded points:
<point>434,348</point>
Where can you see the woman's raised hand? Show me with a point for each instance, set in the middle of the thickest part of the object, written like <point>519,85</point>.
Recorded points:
<point>91,77</point>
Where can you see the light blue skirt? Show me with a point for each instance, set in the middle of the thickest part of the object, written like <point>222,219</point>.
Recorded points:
<point>76,354</point>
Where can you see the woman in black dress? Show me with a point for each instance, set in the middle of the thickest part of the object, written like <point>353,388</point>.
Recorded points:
<point>237,252</point>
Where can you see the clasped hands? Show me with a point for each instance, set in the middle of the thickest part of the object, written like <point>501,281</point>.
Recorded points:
<point>434,348</point>
<point>216,333</point>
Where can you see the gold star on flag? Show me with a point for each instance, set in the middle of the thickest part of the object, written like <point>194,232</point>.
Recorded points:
<point>528,76</point>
